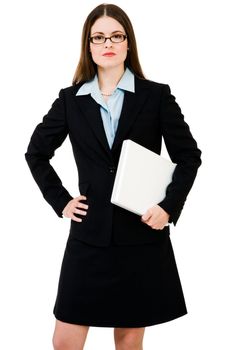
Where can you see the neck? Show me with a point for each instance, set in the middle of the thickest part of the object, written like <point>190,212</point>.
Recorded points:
<point>108,78</point>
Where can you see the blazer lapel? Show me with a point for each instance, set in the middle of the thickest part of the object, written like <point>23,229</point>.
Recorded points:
<point>132,104</point>
<point>91,111</point>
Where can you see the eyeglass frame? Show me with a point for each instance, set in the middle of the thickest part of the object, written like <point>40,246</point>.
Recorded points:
<point>108,37</point>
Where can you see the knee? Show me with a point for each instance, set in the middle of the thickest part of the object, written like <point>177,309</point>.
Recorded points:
<point>129,342</point>
<point>60,343</point>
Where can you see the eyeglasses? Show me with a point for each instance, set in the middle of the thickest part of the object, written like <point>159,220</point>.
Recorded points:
<point>101,39</point>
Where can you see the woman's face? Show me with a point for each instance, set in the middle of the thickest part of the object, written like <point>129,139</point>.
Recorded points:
<point>108,26</point>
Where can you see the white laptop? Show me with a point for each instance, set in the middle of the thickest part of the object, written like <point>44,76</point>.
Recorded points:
<point>141,179</point>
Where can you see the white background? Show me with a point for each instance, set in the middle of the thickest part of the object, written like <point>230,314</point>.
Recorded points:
<point>185,44</point>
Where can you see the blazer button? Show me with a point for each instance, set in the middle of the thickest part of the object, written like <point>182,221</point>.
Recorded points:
<point>112,169</point>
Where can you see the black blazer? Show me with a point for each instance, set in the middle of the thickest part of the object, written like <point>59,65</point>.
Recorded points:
<point>147,115</point>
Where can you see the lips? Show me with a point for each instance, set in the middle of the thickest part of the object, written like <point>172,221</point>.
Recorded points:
<point>109,54</point>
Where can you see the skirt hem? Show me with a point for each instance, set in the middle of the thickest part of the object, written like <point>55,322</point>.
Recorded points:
<point>120,325</point>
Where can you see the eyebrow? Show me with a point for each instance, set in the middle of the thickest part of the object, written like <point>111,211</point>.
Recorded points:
<point>115,31</point>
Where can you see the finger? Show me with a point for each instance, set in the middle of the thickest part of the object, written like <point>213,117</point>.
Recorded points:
<point>154,224</point>
<point>145,221</point>
<point>157,227</point>
<point>74,218</point>
<point>81,198</point>
<point>145,217</point>
<point>70,213</point>
<point>81,212</point>
<point>82,205</point>
<point>77,199</point>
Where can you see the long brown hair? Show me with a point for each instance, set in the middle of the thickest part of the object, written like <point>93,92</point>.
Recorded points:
<point>86,68</point>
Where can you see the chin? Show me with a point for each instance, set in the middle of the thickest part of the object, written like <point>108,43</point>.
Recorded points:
<point>110,65</point>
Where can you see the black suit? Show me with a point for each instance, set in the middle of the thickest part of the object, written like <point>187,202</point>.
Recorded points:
<point>147,115</point>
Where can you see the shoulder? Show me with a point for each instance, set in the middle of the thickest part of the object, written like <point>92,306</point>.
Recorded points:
<point>71,90</point>
<point>152,85</point>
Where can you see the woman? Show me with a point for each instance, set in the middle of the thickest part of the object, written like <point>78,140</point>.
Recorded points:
<point>118,268</point>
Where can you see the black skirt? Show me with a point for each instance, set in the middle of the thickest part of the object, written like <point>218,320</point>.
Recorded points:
<point>119,286</point>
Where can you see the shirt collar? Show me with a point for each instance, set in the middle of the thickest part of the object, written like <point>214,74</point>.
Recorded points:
<point>127,82</point>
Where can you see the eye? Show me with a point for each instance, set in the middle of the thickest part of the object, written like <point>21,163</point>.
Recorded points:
<point>98,37</point>
<point>117,36</point>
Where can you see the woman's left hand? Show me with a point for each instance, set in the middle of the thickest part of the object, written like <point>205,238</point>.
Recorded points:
<point>156,217</point>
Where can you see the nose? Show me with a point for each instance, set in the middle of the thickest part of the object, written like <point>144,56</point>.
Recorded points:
<point>108,42</point>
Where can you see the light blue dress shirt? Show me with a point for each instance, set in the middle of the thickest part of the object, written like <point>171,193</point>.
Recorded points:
<point>110,111</point>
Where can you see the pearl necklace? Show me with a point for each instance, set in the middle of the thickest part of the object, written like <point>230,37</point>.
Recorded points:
<point>105,94</point>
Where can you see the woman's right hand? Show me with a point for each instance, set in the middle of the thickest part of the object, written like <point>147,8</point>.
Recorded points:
<point>72,208</point>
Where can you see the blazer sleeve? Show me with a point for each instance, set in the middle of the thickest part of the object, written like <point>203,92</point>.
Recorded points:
<point>46,138</point>
<point>183,151</point>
